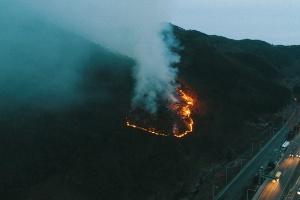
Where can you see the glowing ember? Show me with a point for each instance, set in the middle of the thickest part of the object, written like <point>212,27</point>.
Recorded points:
<point>181,120</point>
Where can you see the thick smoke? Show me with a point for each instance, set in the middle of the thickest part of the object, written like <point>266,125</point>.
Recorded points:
<point>130,27</point>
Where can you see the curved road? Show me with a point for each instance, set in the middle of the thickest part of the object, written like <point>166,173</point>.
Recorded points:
<point>274,191</point>
<point>236,188</point>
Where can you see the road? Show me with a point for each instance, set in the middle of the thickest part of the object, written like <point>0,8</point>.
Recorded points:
<point>275,191</point>
<point>292,192</point>
<point>292,187</point>
<point>236,188</point>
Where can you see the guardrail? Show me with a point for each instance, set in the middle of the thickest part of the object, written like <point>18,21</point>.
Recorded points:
<point>220,195</point>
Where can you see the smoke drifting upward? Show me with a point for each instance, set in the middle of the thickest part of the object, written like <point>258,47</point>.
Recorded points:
<point>132,27</point>
<point>154,74</point>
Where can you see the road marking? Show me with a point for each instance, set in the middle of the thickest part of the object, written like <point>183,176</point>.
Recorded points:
<point>289,178</point>
<point>295,185</point>
<point>266,182</point>
<point>283,128</point>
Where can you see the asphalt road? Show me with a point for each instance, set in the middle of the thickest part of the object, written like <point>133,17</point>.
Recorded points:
<point>236,188</point>
<point>293,186</point>
<point>275,191</point>
<point>292,192</point>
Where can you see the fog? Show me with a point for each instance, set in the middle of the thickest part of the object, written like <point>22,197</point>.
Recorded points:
<point>39,63</point>
<point>132,28</point>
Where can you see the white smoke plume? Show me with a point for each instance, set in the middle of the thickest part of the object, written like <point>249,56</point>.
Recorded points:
<point>129,27</point>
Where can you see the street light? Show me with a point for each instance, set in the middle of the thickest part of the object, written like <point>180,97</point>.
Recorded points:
<point>261,174</point>
<point>248,192</point>
<point>228,166</point>
<point>241,162</point>
<point>213,191</point>
<point>260,143</point>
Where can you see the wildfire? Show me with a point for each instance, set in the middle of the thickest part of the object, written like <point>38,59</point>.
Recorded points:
<point>184,110</point>
<point>181,112</point>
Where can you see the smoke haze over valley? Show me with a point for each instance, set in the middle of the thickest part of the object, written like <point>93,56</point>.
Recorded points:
<point>72,72</point>
<point>133,28</point>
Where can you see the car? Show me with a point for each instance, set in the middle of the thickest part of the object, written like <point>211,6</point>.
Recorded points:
<point>298,191</point>
<point>277,177</point>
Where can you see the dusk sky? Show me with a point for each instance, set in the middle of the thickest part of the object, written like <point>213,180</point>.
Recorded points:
<point>275,21</point>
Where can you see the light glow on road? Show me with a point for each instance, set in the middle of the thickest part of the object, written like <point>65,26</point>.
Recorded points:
<point>271,190</point>
<point>288,163</point>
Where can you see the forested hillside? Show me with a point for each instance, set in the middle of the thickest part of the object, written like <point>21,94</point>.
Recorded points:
<point>82,148</point>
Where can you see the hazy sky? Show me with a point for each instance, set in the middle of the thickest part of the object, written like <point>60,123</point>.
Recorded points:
<point>275,21</point>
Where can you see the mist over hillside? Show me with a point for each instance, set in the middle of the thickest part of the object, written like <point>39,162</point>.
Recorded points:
<point>64,101</point>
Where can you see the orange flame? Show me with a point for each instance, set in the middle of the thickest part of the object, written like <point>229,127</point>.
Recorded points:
<point>182,108</point>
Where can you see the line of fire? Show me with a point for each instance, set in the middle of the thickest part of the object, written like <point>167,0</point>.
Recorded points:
<point>173,119</point>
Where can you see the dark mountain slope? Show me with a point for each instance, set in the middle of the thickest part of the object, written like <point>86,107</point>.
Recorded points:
<point>82,150</point>
<point>284,58</point>
<point>243,77</point>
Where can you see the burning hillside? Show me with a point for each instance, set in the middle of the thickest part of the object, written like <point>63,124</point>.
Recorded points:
<point>173,119</point>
